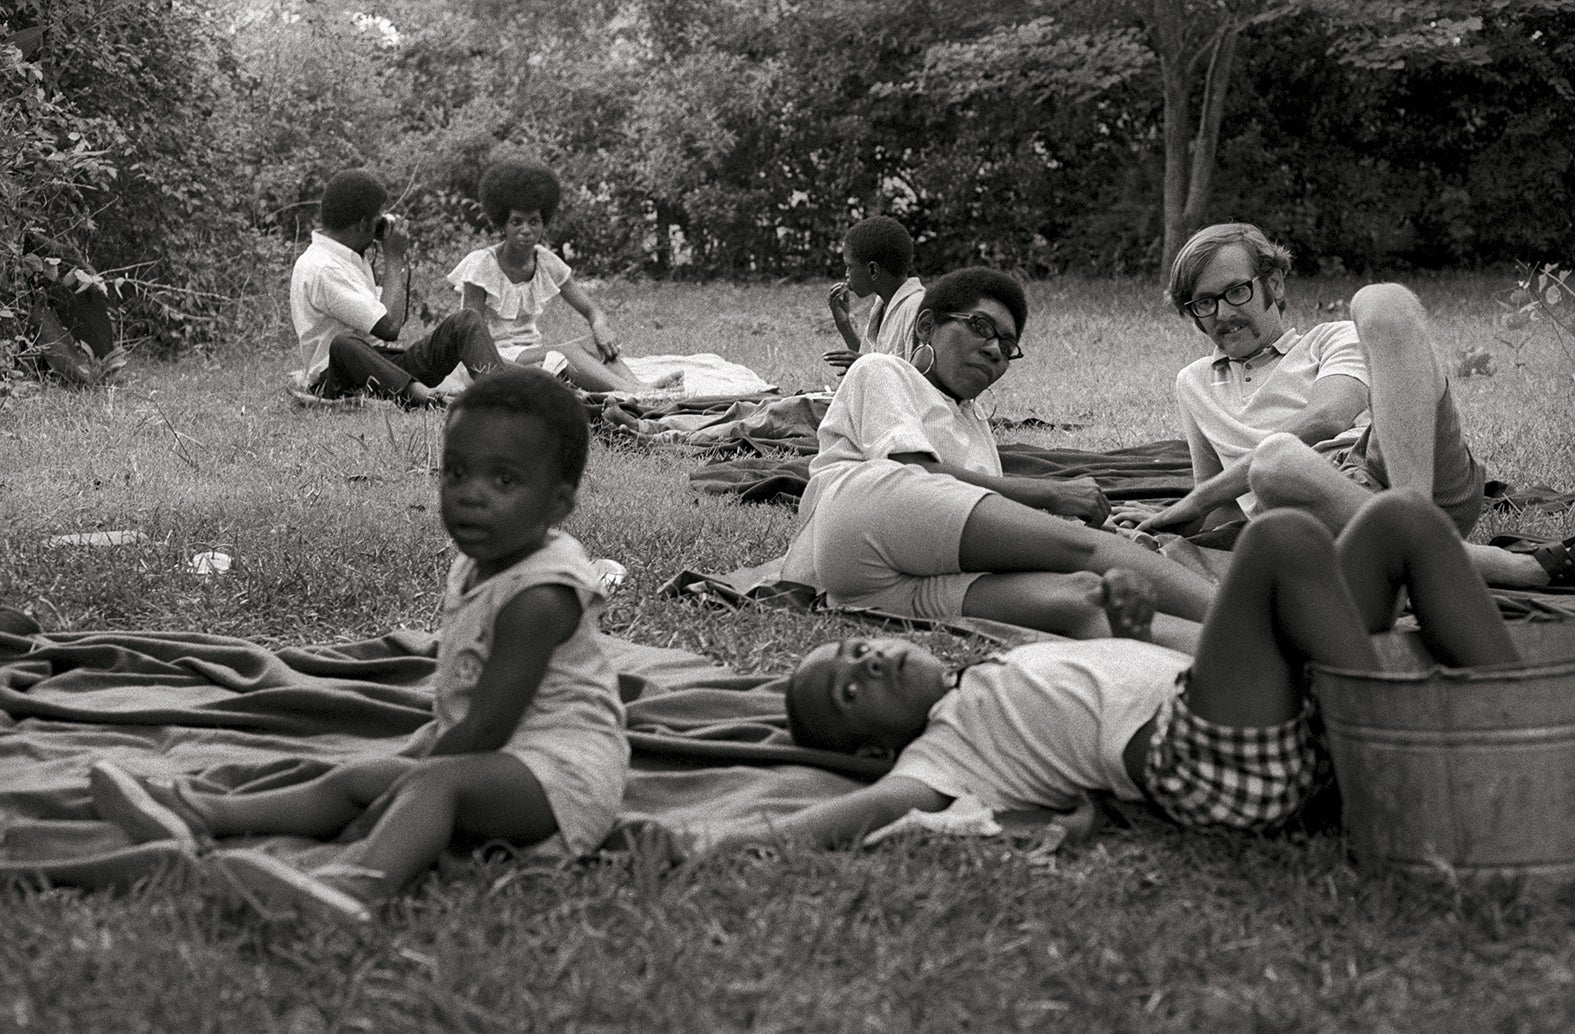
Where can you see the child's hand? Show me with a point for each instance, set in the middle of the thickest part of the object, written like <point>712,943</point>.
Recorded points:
<point>606,344</point>
<point>839,302</point>
<point>841,358</point>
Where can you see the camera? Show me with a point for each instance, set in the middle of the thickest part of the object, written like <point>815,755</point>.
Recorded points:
<point>385,222</point>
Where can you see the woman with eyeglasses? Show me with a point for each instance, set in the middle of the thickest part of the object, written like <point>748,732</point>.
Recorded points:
<point>908,511</point>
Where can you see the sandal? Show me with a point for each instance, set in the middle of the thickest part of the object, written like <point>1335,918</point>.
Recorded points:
<point>1558,559</point>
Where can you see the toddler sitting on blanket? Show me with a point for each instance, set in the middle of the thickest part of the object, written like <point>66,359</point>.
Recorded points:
<point>1220,739</point>
<point>527,742</point>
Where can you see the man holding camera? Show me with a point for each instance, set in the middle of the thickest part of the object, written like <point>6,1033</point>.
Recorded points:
<point>338,307</point>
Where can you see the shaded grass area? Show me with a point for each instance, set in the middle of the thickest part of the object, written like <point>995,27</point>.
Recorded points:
<point>331,519</point>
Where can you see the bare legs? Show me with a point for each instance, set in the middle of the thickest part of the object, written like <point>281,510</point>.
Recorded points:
<point>1293,595</point>
<point>1003,537</point>
<point>589,371</point>
<point>1407,384</point>
<point>415,809</point>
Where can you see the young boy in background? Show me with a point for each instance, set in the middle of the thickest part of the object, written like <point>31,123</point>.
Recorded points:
<point>878,252</point>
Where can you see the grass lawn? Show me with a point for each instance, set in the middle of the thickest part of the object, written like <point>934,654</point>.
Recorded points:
<point>331,519</point>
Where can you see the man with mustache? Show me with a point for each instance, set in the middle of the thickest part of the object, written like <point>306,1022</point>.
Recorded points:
<point>1316,420</point>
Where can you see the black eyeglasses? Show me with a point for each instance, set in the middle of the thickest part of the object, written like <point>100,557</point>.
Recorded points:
<point>1208,304</point>
<point>984,328</point>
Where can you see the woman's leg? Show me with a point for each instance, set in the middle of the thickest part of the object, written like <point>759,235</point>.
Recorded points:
<point>318,808</point>
<point>1082,605</point>
<point>472,797</point>
<point>1282,603</point>
<point>1399,538</point>
<point>1003,537</point>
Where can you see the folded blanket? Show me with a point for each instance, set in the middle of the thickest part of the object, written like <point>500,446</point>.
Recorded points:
<point>710,745</point>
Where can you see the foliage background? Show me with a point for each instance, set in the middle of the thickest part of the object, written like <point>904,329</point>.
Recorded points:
<point>181,146</point>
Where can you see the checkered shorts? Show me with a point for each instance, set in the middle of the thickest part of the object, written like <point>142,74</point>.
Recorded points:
<point>1203,774</point>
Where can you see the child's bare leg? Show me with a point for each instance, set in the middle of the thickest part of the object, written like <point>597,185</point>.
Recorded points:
<point>1399,538</point>
<point>318,808</point>
<point>473,797</point>
<point>1002,536</point>
<point>1282,604</point>
<point>588,371</point>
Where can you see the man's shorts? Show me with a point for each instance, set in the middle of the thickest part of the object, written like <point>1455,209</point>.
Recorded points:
<point>1203,774</point>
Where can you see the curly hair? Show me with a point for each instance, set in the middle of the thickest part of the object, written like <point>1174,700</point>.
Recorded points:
<point>883,240</point>
<point>532,391</point>
<point>351,196</point>
<point>964,287</point>
<point>518,186</point>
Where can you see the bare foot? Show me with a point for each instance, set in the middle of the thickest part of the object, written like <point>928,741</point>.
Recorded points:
<point>1128,599</point>
<point>615,414</point>
<point>669,380</point>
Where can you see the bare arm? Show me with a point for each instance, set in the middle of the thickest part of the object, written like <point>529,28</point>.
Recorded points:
<point>1074,497</point>
<point>601,332</point>
<point>396,285</point>
<point>844,820</point>
<point>1332,406</point>
<point>839,304</point>
<point>525,633</point>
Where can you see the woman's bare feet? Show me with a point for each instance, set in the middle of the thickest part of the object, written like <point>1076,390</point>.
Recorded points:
<point>1128,599</point>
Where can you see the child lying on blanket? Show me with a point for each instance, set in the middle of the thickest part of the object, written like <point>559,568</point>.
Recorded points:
<point>527,742</point>
<point>1232,747</point>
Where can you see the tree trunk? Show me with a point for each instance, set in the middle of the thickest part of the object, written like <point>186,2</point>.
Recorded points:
<point>1167,33</point>
<point>1205,146</point>
<point>1189,158</point>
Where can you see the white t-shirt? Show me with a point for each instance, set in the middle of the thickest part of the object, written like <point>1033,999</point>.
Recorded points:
<point>1044,723</point>
<point>890,327</point>
<point>1229,407</point>
<point>512,307</point>
<point>885,407</point>
<point>332,292</point>
<point>571,736</point>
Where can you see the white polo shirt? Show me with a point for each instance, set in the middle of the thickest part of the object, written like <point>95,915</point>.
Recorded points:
<point>1228,406</point>
<point>332,291</point>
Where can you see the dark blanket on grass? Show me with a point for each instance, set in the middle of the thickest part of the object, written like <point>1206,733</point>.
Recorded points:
<point>1157,472</point>
<point>709,744</point>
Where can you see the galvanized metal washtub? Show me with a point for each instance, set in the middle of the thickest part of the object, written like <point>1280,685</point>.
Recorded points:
<point>1469,771</point>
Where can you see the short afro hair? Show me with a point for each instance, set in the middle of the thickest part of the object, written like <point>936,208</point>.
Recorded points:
<point>351,196</point>
<point>1200,249</point>
<point>532,391</point>
<point>522,186</point>
<point>882,240</point>
<point>961,288</point>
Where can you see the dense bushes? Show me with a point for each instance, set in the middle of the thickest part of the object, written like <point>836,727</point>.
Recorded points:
<point>183,146</point>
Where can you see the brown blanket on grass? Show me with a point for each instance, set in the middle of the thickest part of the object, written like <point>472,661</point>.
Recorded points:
<point>709,744</point>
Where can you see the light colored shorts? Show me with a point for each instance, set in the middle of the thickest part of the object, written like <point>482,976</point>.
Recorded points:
<point>1204,774</point>
<point>887,537</point>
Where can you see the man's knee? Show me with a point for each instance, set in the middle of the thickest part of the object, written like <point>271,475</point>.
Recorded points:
<point>1386,306</point>
<point>467,322</point>
<point>345,347</point>
<point>1283,466</point>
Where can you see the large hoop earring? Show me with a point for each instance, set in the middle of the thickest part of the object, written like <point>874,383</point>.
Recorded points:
<point>914,358</point>
<point>994,402</point>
